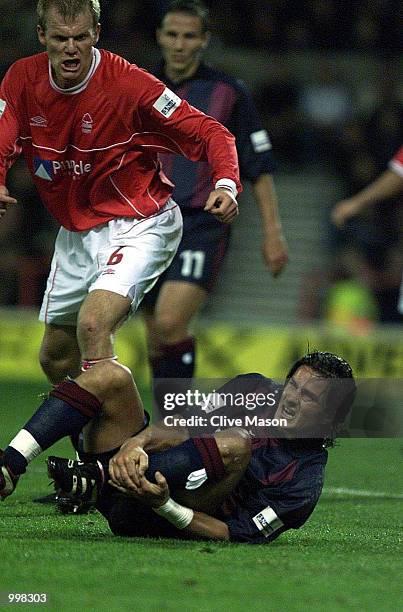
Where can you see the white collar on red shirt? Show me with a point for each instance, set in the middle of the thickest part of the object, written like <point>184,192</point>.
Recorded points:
<point>96,59</point>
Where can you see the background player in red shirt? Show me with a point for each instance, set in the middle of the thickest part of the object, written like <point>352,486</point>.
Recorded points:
<point>181,291</point>
<point>90,126</point>
<point>388,185</point>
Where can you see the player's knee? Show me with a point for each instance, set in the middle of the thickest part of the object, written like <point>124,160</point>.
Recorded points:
<point>108,378</point>
<point>235,449</point>
<point>168,326</point>
<point>90,326</point>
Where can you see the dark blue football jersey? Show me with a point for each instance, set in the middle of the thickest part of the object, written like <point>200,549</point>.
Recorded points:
<point>282,483</point>
<point>278,491</point>
<point>229,101</point>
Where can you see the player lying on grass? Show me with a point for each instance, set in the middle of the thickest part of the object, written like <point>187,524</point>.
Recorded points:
<point>229,485</point>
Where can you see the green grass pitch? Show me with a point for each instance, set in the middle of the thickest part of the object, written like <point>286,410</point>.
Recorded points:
<point>347,557</point>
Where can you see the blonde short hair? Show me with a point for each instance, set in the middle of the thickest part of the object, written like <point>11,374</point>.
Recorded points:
<point>69,9</point>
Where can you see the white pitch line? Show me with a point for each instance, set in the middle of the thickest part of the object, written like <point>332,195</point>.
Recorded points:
<point>361,493</point>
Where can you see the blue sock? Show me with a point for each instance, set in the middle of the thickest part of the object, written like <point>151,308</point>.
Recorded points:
<point>14,460</point>
<point>66,411</point>
<point>176,360</point>
<point>176,463</point>
<point>173,369</point>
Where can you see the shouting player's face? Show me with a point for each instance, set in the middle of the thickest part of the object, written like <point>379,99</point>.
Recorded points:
<point>69,46</point>
<point>303,404</point>
<point>181,40</point>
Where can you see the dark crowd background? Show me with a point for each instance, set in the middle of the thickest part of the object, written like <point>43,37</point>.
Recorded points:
<point>326,77</point>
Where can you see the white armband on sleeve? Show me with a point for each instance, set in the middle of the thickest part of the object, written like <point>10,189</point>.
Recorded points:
<point>229,185</point>
<point>178,515</point>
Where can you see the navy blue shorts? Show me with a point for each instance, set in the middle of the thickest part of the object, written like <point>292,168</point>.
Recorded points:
<point>200,254</point>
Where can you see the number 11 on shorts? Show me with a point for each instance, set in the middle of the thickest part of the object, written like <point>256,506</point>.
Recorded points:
<point>193,263</point>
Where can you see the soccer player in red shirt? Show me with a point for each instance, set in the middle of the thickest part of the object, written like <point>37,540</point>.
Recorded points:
<point>90,126</point>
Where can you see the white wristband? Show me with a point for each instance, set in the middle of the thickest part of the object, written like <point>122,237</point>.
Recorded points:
<point>178,515</point>
<point>228,184</point>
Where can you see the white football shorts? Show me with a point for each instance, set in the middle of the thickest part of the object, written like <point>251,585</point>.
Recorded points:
<point>125,256</point>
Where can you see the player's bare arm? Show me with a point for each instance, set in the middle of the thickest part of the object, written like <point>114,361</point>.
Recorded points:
<point>275,251</point>
<point>388,185</point>
<point>157,496</point>
<point>274,246</point>
<point>222,204</point>
<point>5,200</point>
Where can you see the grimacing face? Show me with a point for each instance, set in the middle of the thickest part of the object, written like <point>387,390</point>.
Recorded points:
<point>69,46</point>
<point>181,40</point>
<point>303,404</point>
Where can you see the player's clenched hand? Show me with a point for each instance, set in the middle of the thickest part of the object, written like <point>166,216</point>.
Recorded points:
<point>275,252</point>
<point>149,493</point>
<point>344,210</point>
<point>154,495</point>
<point>130,463</point>
<point>222,205</point>
<point>5,200</point>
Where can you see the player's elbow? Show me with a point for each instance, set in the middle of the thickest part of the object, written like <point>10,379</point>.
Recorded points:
<point>235,448</point>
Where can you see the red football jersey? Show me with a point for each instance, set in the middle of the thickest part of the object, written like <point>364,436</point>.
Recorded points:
<point>396,163</point>
<point>93,149</point>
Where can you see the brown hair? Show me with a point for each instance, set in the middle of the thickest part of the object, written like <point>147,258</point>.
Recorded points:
<point>342,390</point>
<point>195,8</point>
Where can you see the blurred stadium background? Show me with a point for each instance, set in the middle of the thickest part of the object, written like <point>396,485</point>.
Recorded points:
<point>327,79</point>
<point>326,75</point>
